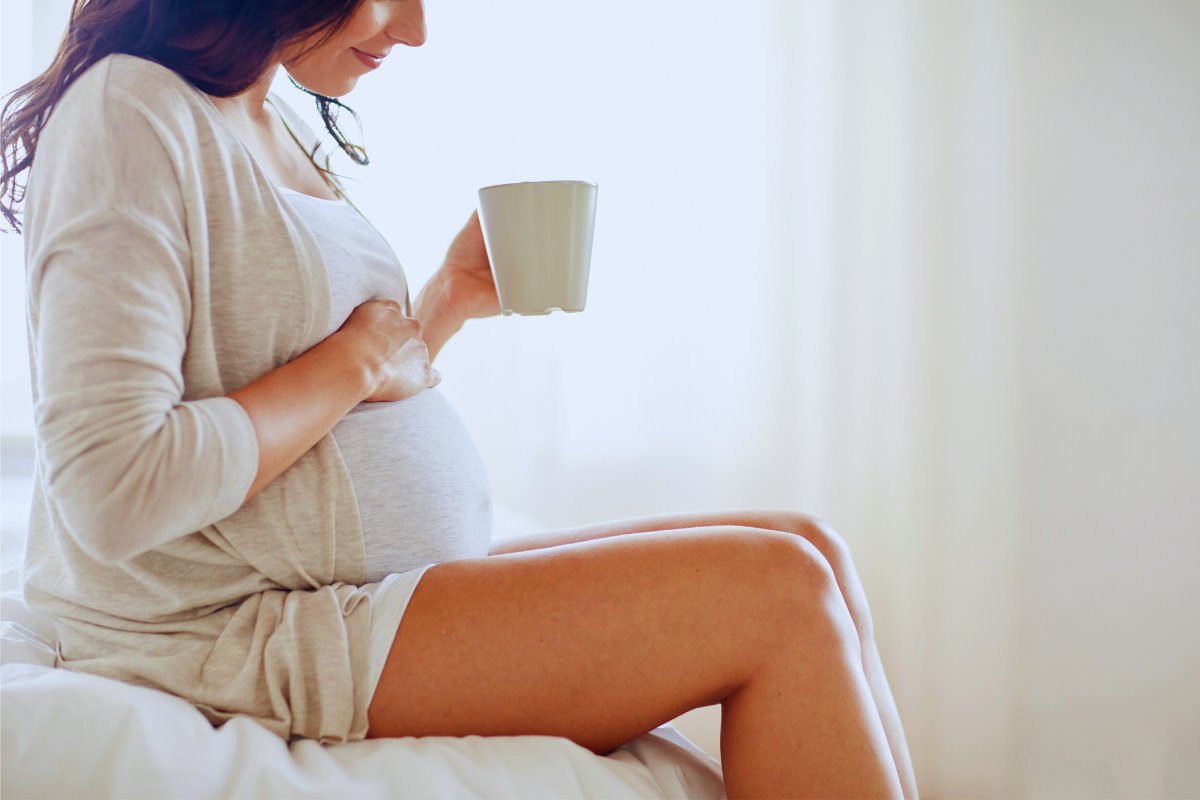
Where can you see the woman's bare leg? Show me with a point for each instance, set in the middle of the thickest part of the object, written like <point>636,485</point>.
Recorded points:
<point>823,537</point>
<point>603,641</point>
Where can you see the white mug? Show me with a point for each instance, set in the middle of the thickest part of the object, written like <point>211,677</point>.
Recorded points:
<point>538,236</point>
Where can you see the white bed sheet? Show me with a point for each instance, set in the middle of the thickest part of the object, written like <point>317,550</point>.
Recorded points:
<point>67,734</point>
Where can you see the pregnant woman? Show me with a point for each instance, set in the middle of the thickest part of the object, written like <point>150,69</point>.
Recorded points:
<point>251,494</point>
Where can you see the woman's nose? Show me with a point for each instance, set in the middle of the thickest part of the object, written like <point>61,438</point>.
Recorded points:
<point>408,24</point>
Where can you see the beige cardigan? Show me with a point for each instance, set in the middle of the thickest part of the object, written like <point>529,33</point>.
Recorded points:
<point>164,271</point>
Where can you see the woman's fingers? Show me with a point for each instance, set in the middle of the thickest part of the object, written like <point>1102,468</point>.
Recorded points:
<point>395,351</point>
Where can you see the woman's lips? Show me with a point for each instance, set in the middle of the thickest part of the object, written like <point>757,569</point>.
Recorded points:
<point>368,59</point>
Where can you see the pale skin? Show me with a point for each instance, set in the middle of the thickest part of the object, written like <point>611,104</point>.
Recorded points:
<point>597,633</point>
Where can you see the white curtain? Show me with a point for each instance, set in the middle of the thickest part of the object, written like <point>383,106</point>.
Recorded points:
<point>926,269</point>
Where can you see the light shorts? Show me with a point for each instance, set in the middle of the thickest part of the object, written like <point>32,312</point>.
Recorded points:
<point>389,600</point>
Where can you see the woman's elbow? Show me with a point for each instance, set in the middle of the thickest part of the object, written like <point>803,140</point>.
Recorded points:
<point>123,489</point>
<point>101,530</point>
<point>105,507</point>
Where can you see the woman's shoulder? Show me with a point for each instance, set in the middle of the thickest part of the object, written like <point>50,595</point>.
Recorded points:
<point>123,133</point>
<point>119,118</point>
<point>140,74</point>
<point>120,86</point>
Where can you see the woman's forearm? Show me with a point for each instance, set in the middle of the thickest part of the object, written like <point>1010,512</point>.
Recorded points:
<point>433,309</point>
<point>294,406</point>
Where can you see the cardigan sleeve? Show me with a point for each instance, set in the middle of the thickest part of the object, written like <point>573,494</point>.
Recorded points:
<point>128,463</point>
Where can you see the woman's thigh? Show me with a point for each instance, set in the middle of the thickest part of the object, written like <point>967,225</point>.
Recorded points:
<point>597,641</point>
<point>817,532</point>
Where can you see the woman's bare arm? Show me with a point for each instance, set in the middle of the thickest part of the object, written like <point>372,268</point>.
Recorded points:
<point>294,406</point>
<point>439,321</point>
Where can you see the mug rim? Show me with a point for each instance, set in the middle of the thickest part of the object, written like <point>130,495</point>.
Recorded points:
<point>592,184</point>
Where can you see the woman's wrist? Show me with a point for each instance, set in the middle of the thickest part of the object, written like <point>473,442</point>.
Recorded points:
<point>435,310</point>
<point>360,367</point>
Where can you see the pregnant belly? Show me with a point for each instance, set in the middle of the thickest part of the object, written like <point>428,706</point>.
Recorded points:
<point>423,493</point>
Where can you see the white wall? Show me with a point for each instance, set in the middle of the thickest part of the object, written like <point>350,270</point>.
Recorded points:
<point>30,36</point>
<point>916,410</point>
<point>1109,149</point>
<point>1009,426</point>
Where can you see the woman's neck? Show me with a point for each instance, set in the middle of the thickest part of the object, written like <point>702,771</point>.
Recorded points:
<point>249,107</point>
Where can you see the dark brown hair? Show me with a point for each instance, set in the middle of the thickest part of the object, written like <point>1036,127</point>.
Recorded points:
<point>241,38</point>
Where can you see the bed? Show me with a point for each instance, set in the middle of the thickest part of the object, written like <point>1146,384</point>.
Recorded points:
<point>68,734</point>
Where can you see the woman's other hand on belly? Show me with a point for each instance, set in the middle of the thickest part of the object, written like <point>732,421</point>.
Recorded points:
<point>392,350</point>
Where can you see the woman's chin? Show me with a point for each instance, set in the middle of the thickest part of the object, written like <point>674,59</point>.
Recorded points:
<point>342,89</point>
<point>337,87</point>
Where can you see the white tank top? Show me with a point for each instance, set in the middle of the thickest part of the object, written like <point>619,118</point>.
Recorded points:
<point>423,492</point>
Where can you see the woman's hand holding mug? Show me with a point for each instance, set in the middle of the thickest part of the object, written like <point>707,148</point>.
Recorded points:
<point>392,350</point>
<point>467,274</point>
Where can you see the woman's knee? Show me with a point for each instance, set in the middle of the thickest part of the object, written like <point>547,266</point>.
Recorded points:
<point>836,551</point>
<point>819,533</point>
<point>800,588</point>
